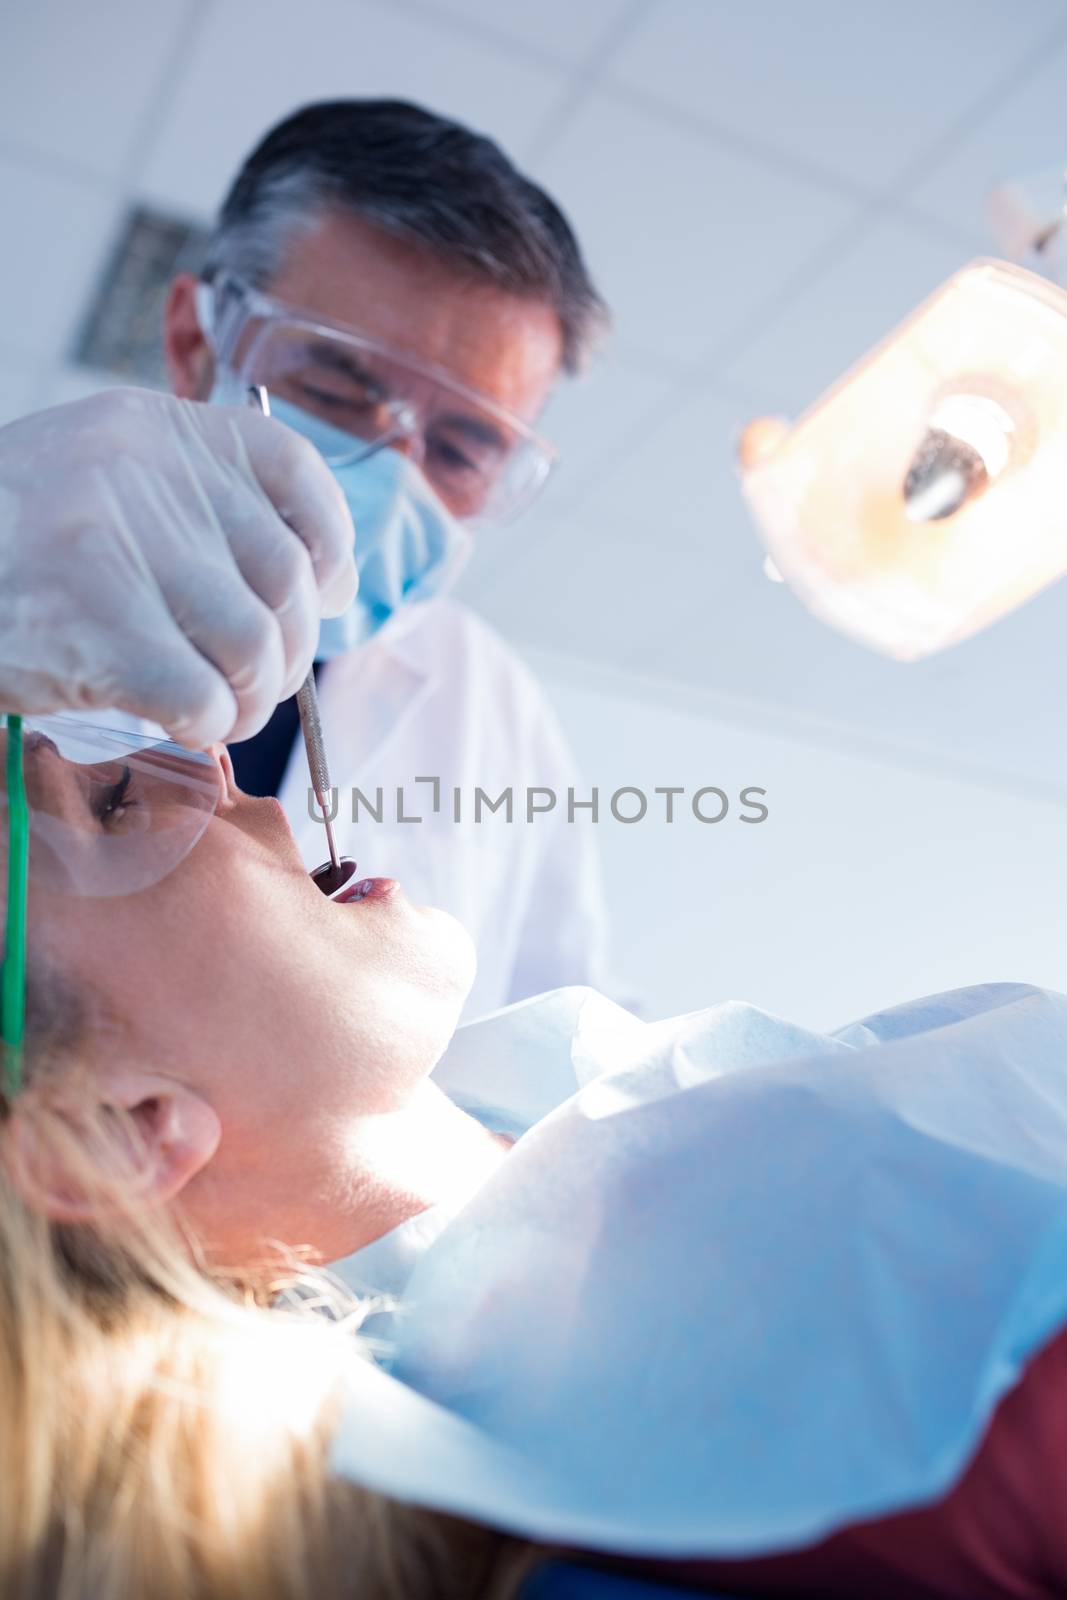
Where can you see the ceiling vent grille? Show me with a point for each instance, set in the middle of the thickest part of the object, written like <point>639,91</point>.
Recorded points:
<point>121,332</point>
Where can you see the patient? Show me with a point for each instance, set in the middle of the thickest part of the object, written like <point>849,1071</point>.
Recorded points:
<point>256,1060</point>
<point>273,1047</point>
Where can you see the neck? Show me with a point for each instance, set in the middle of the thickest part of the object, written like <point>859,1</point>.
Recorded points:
<point>426,1154</point>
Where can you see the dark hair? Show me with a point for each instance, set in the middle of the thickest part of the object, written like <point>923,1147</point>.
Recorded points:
<point>417,176</point>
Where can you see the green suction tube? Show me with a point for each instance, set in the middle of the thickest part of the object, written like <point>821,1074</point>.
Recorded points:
<point>13,971</point>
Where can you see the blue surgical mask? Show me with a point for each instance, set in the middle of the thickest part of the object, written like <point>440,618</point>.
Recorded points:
<point>409,547</point>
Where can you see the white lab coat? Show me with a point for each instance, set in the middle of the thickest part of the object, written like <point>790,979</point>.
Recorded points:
<point>438,694</point>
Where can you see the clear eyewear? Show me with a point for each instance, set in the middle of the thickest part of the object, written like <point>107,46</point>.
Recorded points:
<point>486,464</point>
<point>109,811</point>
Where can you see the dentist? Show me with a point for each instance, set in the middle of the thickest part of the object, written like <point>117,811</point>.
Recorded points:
<point>408,300</point>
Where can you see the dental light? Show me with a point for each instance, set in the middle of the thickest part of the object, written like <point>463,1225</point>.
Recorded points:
<point>925,494</point>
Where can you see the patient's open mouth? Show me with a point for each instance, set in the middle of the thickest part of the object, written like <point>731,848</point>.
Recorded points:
<point>340,884</point>
<point>332,880</point>
<point>368,889</point>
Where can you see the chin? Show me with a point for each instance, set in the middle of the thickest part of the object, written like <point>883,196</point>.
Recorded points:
<point>455,948</point>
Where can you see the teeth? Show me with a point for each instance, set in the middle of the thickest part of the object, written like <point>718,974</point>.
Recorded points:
<point>355,891</point>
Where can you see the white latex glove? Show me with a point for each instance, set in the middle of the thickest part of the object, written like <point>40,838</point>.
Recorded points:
<point>167,558</point>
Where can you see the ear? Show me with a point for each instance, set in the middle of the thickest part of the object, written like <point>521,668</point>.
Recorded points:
<point>177,1133</point>
<point>190,358</point>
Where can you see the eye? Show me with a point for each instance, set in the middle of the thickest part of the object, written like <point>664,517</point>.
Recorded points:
<point>114,800</point>
<point>328,399</point>
<point>451,457</point>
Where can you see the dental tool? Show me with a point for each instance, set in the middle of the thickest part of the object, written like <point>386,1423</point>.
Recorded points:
<point>334,874</point>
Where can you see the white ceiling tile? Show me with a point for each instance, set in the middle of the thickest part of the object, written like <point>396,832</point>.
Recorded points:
<point>328,49</point>
<point>660,571</point>
<point>660,496</point>
<point>499,554</point>
<point>673,487</point>
<point>76,79</point>
<point>555,27</point>
<point>574,591</point>
<point>591,418</point>
<point>685,237</point>
<point>848,310</point>
<point>17,386</point>
<point>1023,133</point>
<point>991,702</point>
<point>50,258</point>
<point>75,383</point>
<point>608,580</point>
<point>859,90</point>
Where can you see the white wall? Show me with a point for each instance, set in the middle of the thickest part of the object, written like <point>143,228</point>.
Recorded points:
<point>871,881</point>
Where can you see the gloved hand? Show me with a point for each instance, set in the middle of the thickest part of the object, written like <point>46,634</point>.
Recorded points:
<point>167,558</point>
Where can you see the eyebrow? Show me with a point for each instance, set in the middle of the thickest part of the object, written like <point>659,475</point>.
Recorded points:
<point>338,361</point>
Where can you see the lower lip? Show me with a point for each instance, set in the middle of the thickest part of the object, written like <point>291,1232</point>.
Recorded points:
<point>377,889</point>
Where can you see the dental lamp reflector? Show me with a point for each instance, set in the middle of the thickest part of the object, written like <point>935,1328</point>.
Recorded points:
<point>925,494</point>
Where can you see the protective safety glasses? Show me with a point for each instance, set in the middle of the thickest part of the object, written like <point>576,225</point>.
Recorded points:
<point>109,810</point>
<point>102,812</point>
<point>486,464</point>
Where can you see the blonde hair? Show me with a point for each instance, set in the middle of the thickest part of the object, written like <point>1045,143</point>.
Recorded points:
<point>163,1432</point>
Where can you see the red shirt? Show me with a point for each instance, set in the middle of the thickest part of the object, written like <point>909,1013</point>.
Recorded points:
<point>1001,1532</point>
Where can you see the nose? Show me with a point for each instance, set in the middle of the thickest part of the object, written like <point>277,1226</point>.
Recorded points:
<point>34,743</point>
<point>230,791</point>
<point>410,445</point>
<point>405,434</point>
